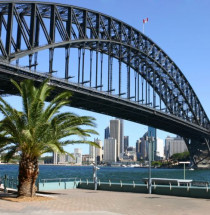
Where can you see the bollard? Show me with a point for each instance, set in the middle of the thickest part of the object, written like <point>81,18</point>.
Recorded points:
<point>5,184</point>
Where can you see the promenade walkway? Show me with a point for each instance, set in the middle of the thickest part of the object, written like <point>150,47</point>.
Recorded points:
<point>89,202</point>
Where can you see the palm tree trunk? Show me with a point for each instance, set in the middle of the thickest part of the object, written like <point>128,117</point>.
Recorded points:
<point>28,173</point>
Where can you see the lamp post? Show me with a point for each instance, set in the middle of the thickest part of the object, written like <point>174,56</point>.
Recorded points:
<point>184,162</point>
<point>150,141</point>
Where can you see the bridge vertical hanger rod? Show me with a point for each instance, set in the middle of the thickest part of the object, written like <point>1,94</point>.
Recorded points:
<point>37,31</point>
<point>1,23</point>
<point>146,87</point>
<point>120,76</point>
<point>128,81</point>
<point>142,86</point>
<point>101,71</point>
<point>160,90</point>
<point>52,37</point>
<point>51,55</point>
<point>67,51</point>
<point>138,90</point>
<point>83,64</point>
<point>9,28</point>
<point>96,82</point>
<point>111,66</point>
<point>32,24</point>
<point>154,94</point>
<point>32,28</point>
<point>108,87</point>
<point>67,56</point>
<point>30,60</point>
<point>18,41</point>
<point>91,62</point>
<point>135,73</point>
<point>79,57</point>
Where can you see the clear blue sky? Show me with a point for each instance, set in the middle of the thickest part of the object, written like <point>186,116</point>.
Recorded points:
<point>180,27</point>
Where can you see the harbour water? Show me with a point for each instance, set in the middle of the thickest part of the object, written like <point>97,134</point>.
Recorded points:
<point>115,174</point>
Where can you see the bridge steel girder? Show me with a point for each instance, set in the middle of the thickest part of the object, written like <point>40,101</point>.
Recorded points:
<point>86,29</point>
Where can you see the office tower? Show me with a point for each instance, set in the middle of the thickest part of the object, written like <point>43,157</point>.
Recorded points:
<point>122,147</point>
<point>174,145</point>
<point>55,158</point>
<point>110,150</point>
<point>144,147</point>
<point>78,156</point>
<point>98,151</point>
<point>61,158</point>
<point>126,142</point>
<point>106,133</point>
<point>152,133</point>
<point>138,149</point>
<point>92,153</point>
<point>115,133</point>
<point>160,149</point>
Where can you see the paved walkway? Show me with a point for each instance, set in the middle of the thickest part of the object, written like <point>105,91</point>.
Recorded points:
<point>89,202</point>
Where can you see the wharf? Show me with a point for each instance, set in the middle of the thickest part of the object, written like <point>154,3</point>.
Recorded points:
<point>89,202</point>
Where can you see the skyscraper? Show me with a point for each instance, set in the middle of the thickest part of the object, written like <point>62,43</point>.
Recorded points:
<point>174,145</point>
<point>126,142</point>
<point>122,146</point>
<point>115,133</point>
<point>106,133</point>
<point>152,133</point>
<point>110,150</point>
<point>96,153</point>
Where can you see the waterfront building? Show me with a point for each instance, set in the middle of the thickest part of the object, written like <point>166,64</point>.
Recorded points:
<point>55,158</point>
<point>143,147</point>
<point>126,143</point>
<point>106,133</point>
<point>122,147</point>
<point>115,133</point>
<point>159,149</point>
<point>138,149</point>
<point>152,133</point>
<point>174,145</point>
<point>92,153</point>
<point>110,150</point>
<point>96,153</point>
<point>78,156</point>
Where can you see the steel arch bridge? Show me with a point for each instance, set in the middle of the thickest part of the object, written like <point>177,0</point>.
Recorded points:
<point>117,70</point>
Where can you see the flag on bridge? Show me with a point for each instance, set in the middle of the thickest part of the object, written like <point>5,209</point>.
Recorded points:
<point>145,20</point>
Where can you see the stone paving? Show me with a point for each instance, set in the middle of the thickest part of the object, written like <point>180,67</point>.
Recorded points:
<point>89,202</point>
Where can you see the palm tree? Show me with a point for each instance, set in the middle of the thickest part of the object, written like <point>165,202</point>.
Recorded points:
<point>38,129</point>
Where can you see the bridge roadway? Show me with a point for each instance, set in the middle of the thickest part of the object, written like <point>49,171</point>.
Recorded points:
<point>101,102</point>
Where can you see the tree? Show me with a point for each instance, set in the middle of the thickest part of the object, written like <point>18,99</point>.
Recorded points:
<point>38,129</point>
<point>183,156</point>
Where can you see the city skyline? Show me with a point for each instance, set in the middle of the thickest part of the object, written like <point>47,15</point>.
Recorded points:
<point>176,35</point>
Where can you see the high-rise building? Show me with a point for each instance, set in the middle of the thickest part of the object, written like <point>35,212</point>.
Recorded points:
<point>92,153</point>
<point>159,149</point>
<point>110,150</point>
<point>55,158</point>
<point>78,156</point>
<point>144,147</point>
<point>115,134</point>
<point>122,146</point>
<point>96,153</point>
<point>152,133</point>
<point>126,142</point>
<point>174,145</point>
<point>106,133</point>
